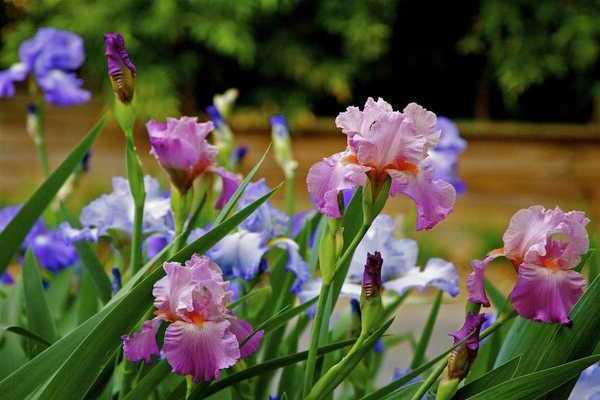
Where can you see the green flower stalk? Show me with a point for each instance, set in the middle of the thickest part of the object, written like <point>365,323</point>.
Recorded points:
<point>224,139</point>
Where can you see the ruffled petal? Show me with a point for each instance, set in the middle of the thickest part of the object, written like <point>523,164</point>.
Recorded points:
<point>200,350</point>
<point>424,123</point>
<point>437,273</point>
<point>537,236</point>
<point>241,253</point>
<point>353,121</point>
<point>62,89</point>
<point>141,345</point>
<point>242,331</point>
<point>476,282</point>
<point>330,176</point>
<point>546,295</point>
<point>433,198</point>
<point>230,184</point>
<point>391,143</point>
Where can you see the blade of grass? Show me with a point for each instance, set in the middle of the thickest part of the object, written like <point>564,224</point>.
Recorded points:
<point>28,334</point>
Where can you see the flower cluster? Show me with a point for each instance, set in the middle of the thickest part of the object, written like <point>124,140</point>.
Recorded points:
<point>203,336</point>
<point>51,57</point>
<point>385,144</point>
<point>544,247</point>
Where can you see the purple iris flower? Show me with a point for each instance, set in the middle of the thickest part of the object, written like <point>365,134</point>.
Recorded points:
<point>544,246</point>
<point>385,144</point>
<point>203,336</point>
<point>52,56</point>
<point>51,247</point>
<point>242,253</point>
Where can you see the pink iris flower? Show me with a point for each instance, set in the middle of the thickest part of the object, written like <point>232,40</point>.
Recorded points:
<point>385,143</point>
<point>181,148</point>
<point>203,336</point>
<point>544,246</point>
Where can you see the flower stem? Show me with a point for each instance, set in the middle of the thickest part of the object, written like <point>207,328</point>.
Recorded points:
<point>136,238</point>
<point>36,125</point>
<point>435,374</point>
<point>419,354</point>
<point>315,338</point>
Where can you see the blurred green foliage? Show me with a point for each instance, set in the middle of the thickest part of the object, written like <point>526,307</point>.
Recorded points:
<point>528,42</point>
<point>300,50</point>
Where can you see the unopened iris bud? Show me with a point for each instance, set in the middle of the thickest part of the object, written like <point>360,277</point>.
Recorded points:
<point>223,137</point>
<point>461,358</point>
<point>224,102</point>
<point>120,68</point>
<point>282,145</point>
<point>370,297</point>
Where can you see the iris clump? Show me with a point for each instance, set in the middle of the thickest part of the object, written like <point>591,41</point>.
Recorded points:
<point>211,286</point>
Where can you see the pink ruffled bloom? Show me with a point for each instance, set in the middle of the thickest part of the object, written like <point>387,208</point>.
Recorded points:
<point>203,336</point>
<point>181,148</point>
<point>385,143</point>
<point>544,246</point>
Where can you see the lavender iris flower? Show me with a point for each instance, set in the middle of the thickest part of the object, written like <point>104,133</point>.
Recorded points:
<point>241,254</point>
<point>51,57</point>
<point>445,155</point>
<point>588,385</point>
<point>53,250</point>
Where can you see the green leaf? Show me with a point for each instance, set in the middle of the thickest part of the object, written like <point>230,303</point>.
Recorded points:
<point>258,369</point>
<point>527,339</point>
<point>258,292</point>
<point>537,383</point>
<point>498,299</point>
<point>228,208</point>
<point>87,299</point>
<point>28,334</point>
<point>335,375</point>
<point>496,376</point>
<point>150,381</point>
<point>80,369</point>
<point>13,235</point>
<point>423,342</point>
<point>580,339</point>
<point>93,266</point>
<point>39,318</point>
<point>284,315</point>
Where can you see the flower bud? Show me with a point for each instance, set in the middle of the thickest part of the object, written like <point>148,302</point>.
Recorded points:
<point>462,357</point>
<point>223,137</point>
<point>282,145</point>
<point>370,298</point>
<point>120,68</point>
<point>224,102</point>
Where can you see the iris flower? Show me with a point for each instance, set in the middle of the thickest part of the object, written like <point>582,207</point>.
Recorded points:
<point>544,246</point>
<point>181,148</point>
<point>51,57</point>
<point>202,336</point>
<point>382,144</point>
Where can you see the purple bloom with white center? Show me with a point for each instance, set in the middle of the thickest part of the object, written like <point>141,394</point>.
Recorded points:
<point>588,384</point>
<point>181,148</point>
<point>203,336</point>
<point>114,212</point>
<point>120,68</point>
<point>544,246</point>
<point>385,144</point>
<point>399,271</point>
<point>445,155</point>
<point>52,56</point>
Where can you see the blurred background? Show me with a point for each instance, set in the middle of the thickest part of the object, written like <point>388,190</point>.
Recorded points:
<point>521,78</point>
